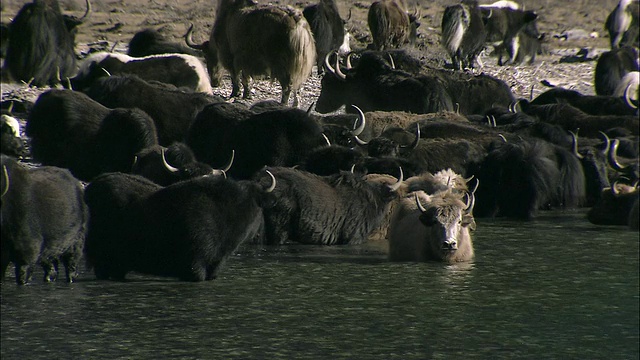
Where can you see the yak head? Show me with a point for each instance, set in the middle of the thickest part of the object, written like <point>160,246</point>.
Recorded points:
<point>448,220</point>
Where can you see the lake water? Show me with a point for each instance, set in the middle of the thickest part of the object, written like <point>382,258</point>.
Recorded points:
<point>553,288</point>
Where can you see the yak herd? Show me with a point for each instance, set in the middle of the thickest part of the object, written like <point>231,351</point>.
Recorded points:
<point>142,169</point>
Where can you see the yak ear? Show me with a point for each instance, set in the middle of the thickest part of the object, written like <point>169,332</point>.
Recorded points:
<point>468,220</point>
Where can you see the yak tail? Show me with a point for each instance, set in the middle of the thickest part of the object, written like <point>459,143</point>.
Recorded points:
<point>455,22</point>
<point>303,48</point>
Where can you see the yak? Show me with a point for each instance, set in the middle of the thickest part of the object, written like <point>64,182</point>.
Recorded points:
<point>41,44</point>
<point>271,138</point>
<point>463,33</point>
<point>172,110</point>
<point>328,29</point>
<point>180,70</point>
<point>44,220</point>
<point>390,24</point>
<point>338,209</point>
<point>186,230</point>
<point>432,227</point>
<point>250,40</point>
<point>68,129</point>
<point>148,42</point>
<point>622,24</point>
<point>166,166</point>
<point>612,66</point>
<point>375,85</point>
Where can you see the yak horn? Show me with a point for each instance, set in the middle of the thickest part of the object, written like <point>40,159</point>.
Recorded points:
<point>188,39</point>
<point>357,131</point>
<point>349,66</point>
<point>330,69</point>
<point>574,145</point>
<point>273,182</point>
<point>614,189</point>
<point>607,142</point>
<point>476,186</point>
<point>396,186</point>
<point>359,141</point>
<point>87,12</point>
<point>5,175</point>
<point>513,107</point>
<point>393,64</point>
<point>326,139</point>
<point>338,71</point>
<point>470,203</point>
<point>353,168</point>
<point>531,92</point>
<point>415,142</point>
<point>613,158</point>
<point>627,97</point>
<point>166,164</point>
<point>503,138</point>
<point>420,207</point>
<point>310,108</point>
<point>233,156</point>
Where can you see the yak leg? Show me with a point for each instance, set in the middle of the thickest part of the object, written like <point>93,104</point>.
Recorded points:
<point>286,92</point>
<point>246,84</point>
<point>50,267</point>
<point>212,271</point>
<point>23,273</point>
<point>70,262</point>
<point>235,84</point>
<point>4,263</point>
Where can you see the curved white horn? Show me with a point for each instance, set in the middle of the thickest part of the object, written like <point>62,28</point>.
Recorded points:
<point>166,164</point>
<point>360,141</point>
<point>338,71</point>
<point>396,186</point>
<point>233,156</point>
<point>627,97</point>
<point>273,182</point>
<point>357,131</point>
<point>326,139</point>
<point>613,158</point>
<point>420,207</point>
<point>415,142</point>
<point>5,174</point>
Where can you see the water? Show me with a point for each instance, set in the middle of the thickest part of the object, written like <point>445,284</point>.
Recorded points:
<point>554,288</point>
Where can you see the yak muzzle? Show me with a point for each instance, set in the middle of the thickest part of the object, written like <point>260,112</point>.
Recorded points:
<point>450,245</point>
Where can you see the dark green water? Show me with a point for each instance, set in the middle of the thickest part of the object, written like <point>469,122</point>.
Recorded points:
<point>554,288</point>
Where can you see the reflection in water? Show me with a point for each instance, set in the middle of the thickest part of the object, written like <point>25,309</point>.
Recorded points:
<point>554,288</point>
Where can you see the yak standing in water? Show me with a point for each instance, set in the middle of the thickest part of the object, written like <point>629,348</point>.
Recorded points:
<point>41,43</point>
<point>44,220</point>
<point>432,227</point>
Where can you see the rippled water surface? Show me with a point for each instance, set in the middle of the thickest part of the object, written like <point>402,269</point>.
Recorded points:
<point>554,288</point>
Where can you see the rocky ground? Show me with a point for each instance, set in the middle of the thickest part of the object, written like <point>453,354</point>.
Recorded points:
<point>113,23</point>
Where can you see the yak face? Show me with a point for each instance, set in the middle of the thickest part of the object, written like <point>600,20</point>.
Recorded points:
<point>447,221</point>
